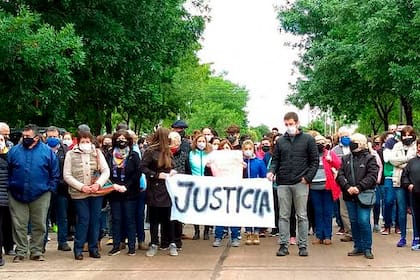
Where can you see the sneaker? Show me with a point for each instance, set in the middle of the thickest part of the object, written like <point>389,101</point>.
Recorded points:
<point>110,242</point>
<point>368,254</point>
<point>11,252</point>
<point>292,241</point>
<point>327,242</point>
<point>249,239</point>
<point>114,252</point>
<point>256,240</point>
<point>346,238</point>
<point>18,259</point>
<point>164,247</point>
<point>303,252</point>
<point>235,242</point>
<point>39,258</point>
<point>386,231</point>
<point>274,232</point>
<point>283,251</point>
<point>317,241</point>
<point>402,242</point>
<point>64,247</point>
<point>261,234</point>
<point>217,242</point>
<point>131,252</point>
<point>397,230</point>
<point>415,242</point>
<point>355,252</point>
<point>152,250</point>
<point>173,250</point>
<point>415,247</point>
<point>341,231</point>
<point>376,228</point>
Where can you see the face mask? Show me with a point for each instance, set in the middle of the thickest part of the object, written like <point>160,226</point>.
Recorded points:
<point>231,139</point>
<point>328,146</point>
<point>53,142</point>
<point>291,130</point>
<point>408,141</point>
<point>208,137</point>
<point>2,145</point>
<point>320,148</point>
<point>354,146</point>
<point>248,153</point>
<point>215,147</point>
<point>106,147</point>
<point>345,141</point>
<point>27,142</point>
<point>265,148</point>
<point>181,133</point>
<point>67,142</point>
<point>201,146</point>
<point>85,147</point>
<point>122,144</point>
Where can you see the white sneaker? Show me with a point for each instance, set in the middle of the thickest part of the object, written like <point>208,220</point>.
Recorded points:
<point>217,242</point>
<point>173,250</point>
<point>235,243</point>
<point>152,250</point>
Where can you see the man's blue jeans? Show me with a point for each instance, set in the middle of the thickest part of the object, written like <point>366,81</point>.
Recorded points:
<point>360,225</point>
<point>124,220</point>
<point>234,232</point>
<point>323,206</point>
<point>401,195</point>
<point>389,200</point>
<point>88,215</point>
<point>62,223</point>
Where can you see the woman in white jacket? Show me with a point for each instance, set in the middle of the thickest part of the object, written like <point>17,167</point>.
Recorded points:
<point>402,152</point>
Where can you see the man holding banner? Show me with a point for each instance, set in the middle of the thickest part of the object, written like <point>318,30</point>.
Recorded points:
<point>294,164</point>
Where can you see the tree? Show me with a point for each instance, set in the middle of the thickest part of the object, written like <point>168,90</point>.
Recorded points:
<point>36,68</point>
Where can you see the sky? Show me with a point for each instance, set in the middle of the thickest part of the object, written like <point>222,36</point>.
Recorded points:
<point>243,39</point>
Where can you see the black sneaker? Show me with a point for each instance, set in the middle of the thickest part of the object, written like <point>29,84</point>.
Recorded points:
<point>114,252</point>
<point>283,251</point>
<point>64,247</point>
<point>355,252</point>
<point>303,252</point>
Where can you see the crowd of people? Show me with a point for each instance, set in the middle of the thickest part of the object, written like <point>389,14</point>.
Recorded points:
<point>89,187</point>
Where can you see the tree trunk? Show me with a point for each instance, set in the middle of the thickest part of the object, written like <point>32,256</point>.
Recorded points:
<point>108,122</point>
<point>408,110</point>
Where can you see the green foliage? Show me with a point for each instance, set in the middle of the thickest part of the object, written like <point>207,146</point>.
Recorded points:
<point>36,68</point>
<point>359,56</point>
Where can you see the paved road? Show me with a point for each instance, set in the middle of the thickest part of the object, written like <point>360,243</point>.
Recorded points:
<point>199,260</point>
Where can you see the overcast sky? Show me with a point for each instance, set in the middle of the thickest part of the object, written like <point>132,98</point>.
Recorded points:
<point>243,39</point>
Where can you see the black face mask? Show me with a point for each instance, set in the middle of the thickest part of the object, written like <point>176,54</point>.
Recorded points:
<point>27,142</point>
<point>353,146</point>
<point>265,148</point>
<point>122,144</point>
<point>231,139</point>
<point>320,148</point>
<point>408,141</point>
<point>328,146</point>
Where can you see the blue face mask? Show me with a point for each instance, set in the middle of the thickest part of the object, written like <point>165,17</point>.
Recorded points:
<point>345,141</point>
<point>53,142</point>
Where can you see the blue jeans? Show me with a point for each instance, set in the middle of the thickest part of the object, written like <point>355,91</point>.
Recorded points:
<point>124,221</point>
<point>401,195</point>
<point>62,223</point>
<point>323,206</point>
<point>360,226</point>
<point>337,214</point>
<point>253,230</point>
<point>389,199</point>
<point>296,194</point>
<point>88,215</point>
<point>140,217</point>
<point>234,232</point>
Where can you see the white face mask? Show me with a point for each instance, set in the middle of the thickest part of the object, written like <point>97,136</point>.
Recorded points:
<point>2,145</point>
<point>208,137</point>
<point>85,147</point>
<point>215,147</point>
<point>67,142</point>
<point>248,153</point>
<point>201,146</point>
<point>291,130</point>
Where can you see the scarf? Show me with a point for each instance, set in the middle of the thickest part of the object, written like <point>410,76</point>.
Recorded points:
<point>119,160</point>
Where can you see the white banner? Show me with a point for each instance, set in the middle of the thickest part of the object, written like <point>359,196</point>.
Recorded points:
<point>222,201</point>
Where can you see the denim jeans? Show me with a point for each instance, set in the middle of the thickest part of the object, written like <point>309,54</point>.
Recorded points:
<point>88,215</point>
<point>337,214</point>
<point>401,195</point>
<point>124,221</point>
<point>234,232</point>
<point>360,225</point>
<point>140,217</point>
<point>62,224</point>
<point>323,206</point>
<point>298,195</point>
<point>389,199</point>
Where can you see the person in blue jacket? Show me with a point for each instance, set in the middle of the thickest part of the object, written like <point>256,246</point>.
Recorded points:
<point>33,175</point>
<point>253,168</point>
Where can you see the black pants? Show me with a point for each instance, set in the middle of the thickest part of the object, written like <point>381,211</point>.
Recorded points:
<point>161,215</point>
<point>6,229</point>
<point>416,209</point>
